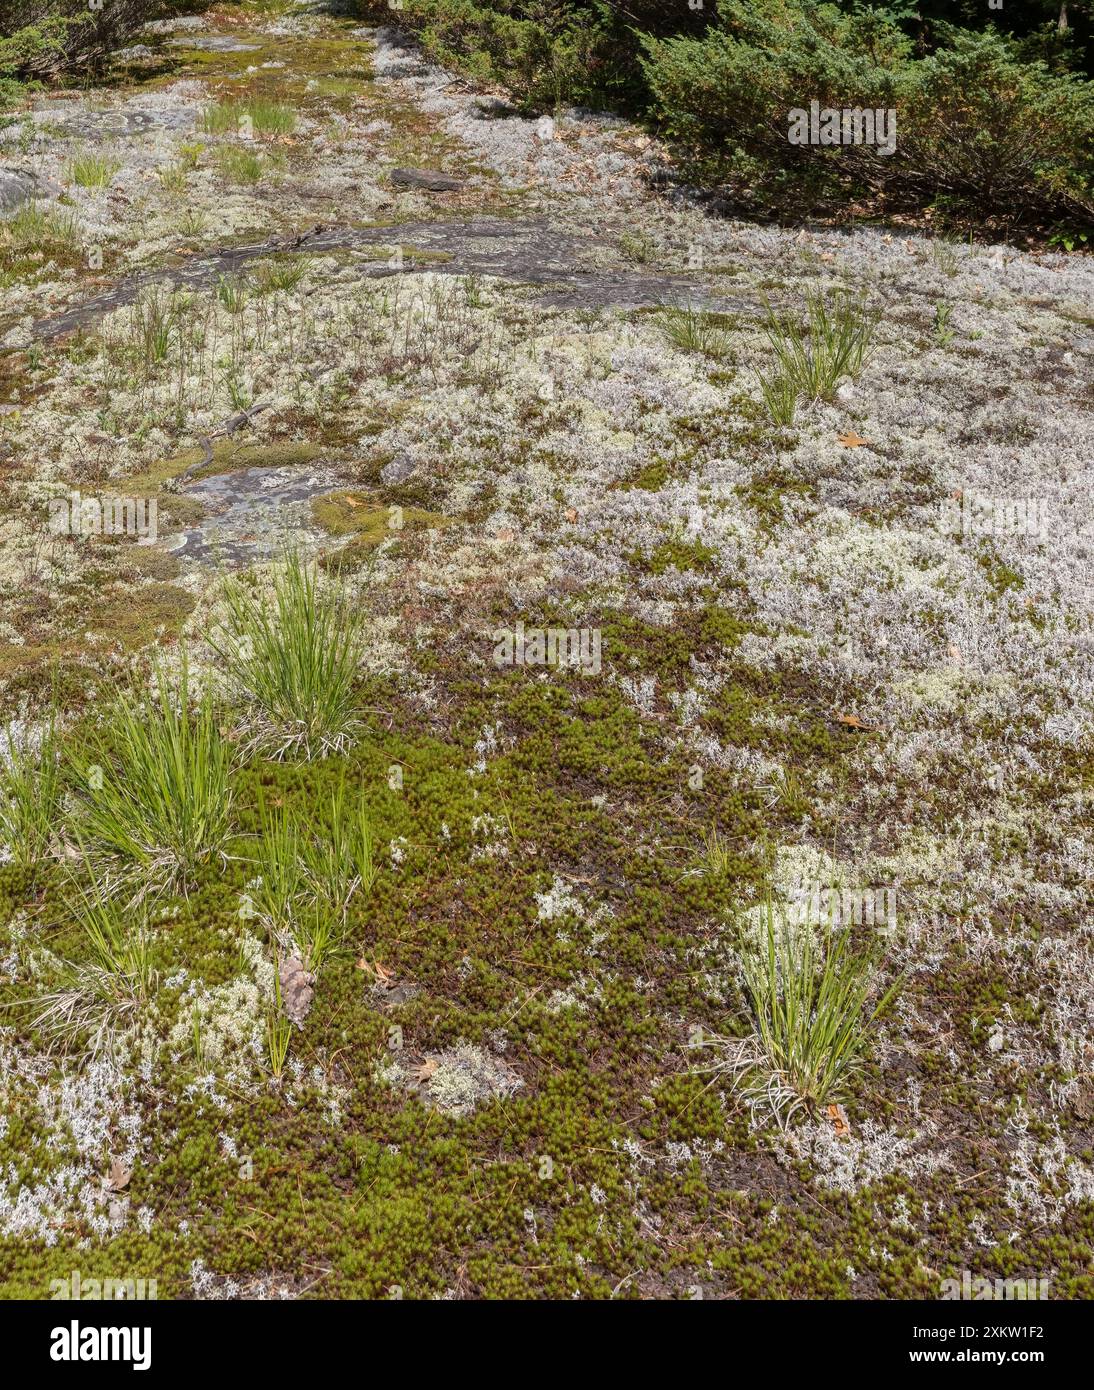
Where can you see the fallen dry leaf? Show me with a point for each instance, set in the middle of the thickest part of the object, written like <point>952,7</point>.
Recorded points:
<point>838,1116</point>
<point>380,973</point>
<point>850,440</point>
<point>426,1070</point>
<point>297,990</point>
<point>119,1175</point>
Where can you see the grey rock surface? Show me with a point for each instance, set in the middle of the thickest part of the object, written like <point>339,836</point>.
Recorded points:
<point>252,514</point>
<point>119,124</point>
<point>16,188</point>
<point>429,180</point>
<point>534,252</point>
<point>215,44</point>
<point>398,470</point>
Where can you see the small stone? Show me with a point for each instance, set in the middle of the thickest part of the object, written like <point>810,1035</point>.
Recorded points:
<point>398,470</point>
<point>431,180</point>
<point>135,54</point>
<point>16,188</point>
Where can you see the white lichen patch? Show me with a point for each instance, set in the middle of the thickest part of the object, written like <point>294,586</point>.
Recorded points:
<point>456,1080</point>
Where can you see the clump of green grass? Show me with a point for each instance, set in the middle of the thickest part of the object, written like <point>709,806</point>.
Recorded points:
<point>278,1030</point>
<point>694,330</point>
<point>240,166</point>
<point>781,398</point>
<point>157,792</point>
<point>270,117</point>
<point>943,333</point>
<point>189,155</point>
<point>233,292</point>
<point>91,169</point>
<point>716,857</point>
<point>279,275</point>
<point>30,794</point>
<point>811,1017</point>
<point>813,363</point>
<point>153,322</point>
<point>315,934</point>
<point>221,119</point>
<point>256,116</point>
<point>279,882</point>
<point>638,247</point>
<point>96,999</point>
<point>38,228</point>
<point>294,658</point>
<point>172,178</point>
<point>307,875</point>
<point>944,254</point>
<point>339,859</point>
<point>192,223</point>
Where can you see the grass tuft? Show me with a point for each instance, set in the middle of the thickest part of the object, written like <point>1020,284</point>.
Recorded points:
<point>90,169</point>
<point>30,793</point>
<point>810,1018</point>
<point>781,398</point>
<point>241,166</point>
<point>257,116</point>
<point>306,877</point>
<point>294,659</point>
<point>693,330</point>
<point>279,275</point>
<point>812,364</point>
<point>97,999</point>
<point>233,292</point>
<point>158,793</point>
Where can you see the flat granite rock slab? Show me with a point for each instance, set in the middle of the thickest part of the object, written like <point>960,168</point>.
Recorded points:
<point>16,188</point>
<point>215,43</point>
<point>429,180</point>
<point>533,252</point>
<point>118,123</point>
<point>252,514</point>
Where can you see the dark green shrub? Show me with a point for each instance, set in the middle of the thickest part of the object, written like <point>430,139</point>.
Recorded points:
<point>723,98</point>
<point>546,51</point>
<point>976,127</point>
<point>47,38</point>
<point>995,134</point>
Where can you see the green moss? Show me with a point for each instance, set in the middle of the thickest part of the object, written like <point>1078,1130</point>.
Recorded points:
<point>228,456</point>
<point>368,524</point>
<point>682,555</point>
